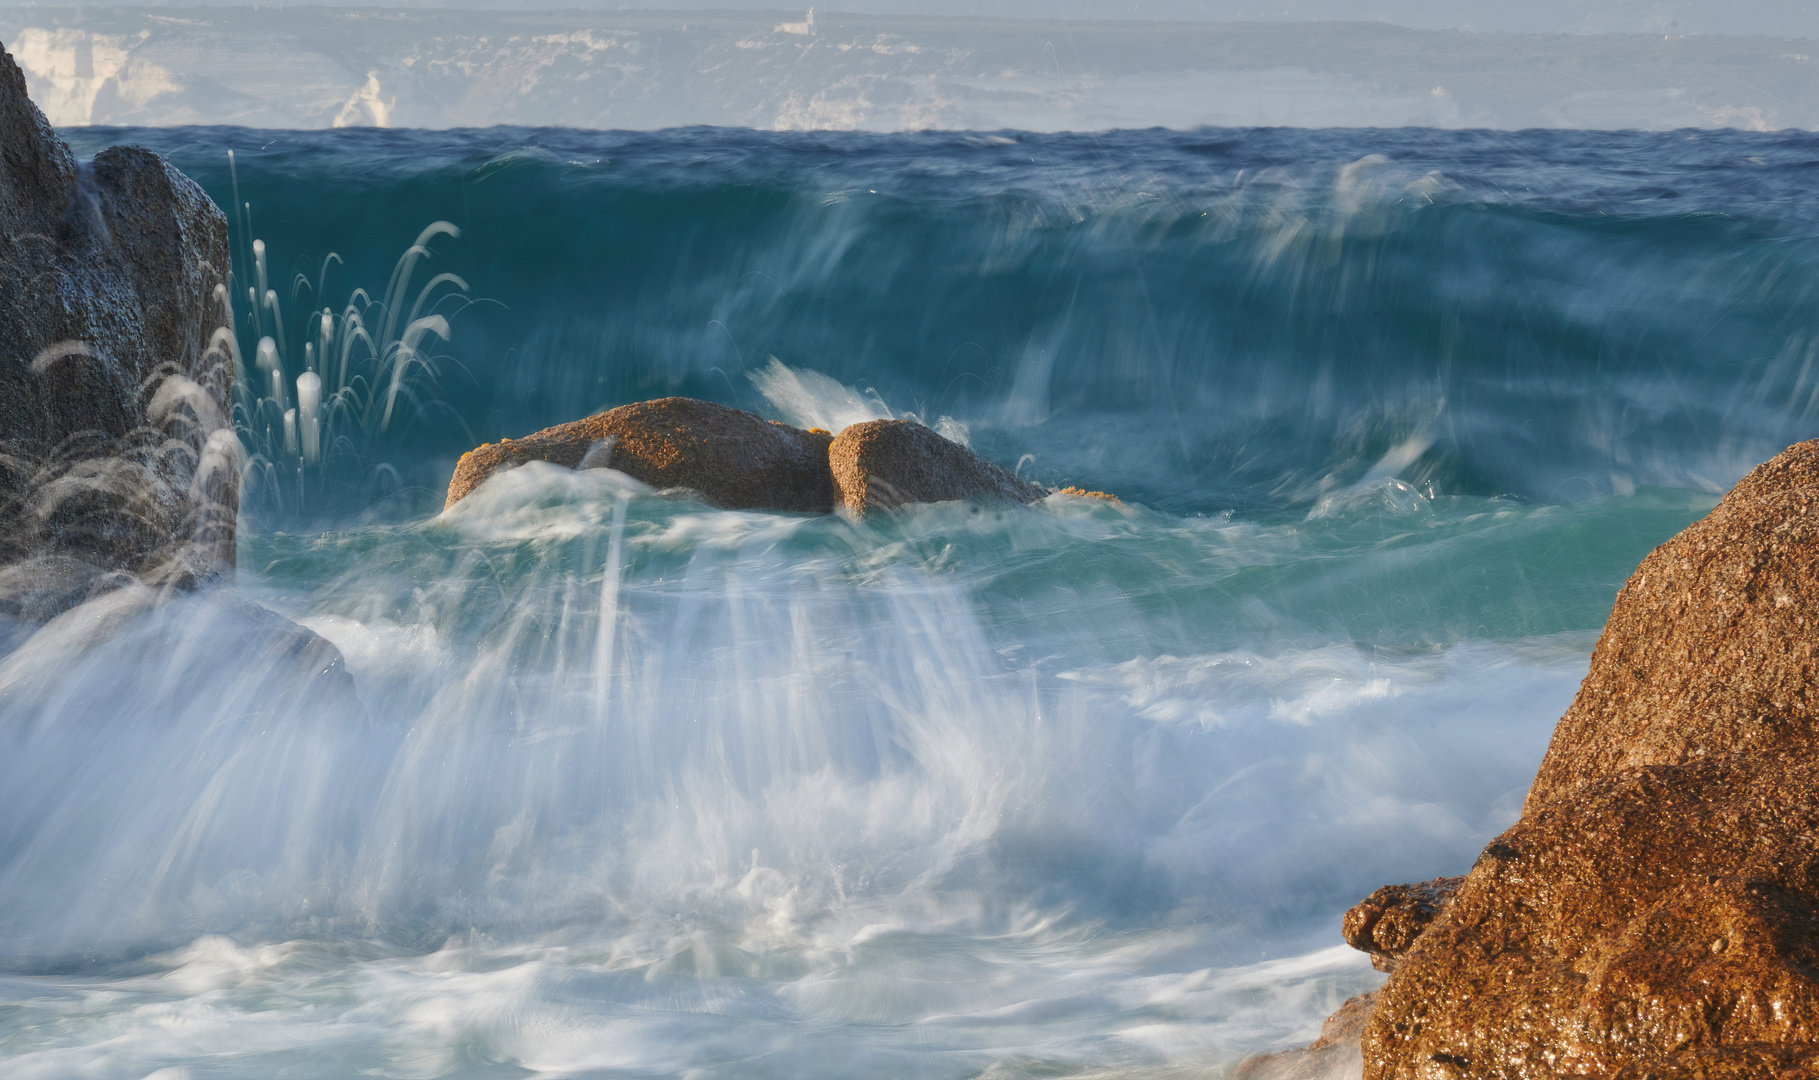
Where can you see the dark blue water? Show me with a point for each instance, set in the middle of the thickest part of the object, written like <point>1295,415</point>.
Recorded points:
<point>634,787</point>
<point>1204,321</point>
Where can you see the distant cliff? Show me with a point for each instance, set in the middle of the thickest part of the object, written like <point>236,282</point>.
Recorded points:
<point>307,67</point>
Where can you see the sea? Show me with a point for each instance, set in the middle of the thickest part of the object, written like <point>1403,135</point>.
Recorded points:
<point>619,784</point>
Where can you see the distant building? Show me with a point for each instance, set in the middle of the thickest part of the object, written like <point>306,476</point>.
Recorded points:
<point>806,26</point>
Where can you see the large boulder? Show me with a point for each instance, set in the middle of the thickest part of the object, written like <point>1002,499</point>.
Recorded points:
<point>117,459</point>
<point>733,459</point>
<point>884,464</point>
<point>1655,911</point>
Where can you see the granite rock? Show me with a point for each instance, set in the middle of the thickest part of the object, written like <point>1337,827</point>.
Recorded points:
<point>885,464</point>
<point>1386,923</point>
<point>733,459</point>
<point>1655,911</point>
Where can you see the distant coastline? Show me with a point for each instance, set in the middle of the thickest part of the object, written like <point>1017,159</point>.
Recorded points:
<point>316,67</point>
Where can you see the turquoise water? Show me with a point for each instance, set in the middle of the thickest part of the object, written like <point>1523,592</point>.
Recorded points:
<point>623,785</point>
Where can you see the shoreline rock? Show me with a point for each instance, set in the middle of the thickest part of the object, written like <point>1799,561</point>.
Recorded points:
<point>119,465</point>
<point>117,455</point>
<point>1386,923</point>
<point>1655,911</point>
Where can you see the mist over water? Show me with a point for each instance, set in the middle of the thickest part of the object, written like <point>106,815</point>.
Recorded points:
<point>623,785</point>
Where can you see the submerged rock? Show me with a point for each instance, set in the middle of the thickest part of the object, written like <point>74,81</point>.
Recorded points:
<point>1655,912</point>
<point>884,464</point>
<point>116,456</point>
<point>735,460</point>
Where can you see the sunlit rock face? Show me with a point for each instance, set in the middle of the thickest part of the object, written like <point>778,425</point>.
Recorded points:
<point>736,460</point>
<point>1656,909</point>
<point>885,464</point>
<point>732,459</point>
<point>116,454</point>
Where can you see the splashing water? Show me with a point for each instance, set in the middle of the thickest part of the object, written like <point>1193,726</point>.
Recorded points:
<point>633,784</point>
<point>626,785</point>
<point>315,411</point>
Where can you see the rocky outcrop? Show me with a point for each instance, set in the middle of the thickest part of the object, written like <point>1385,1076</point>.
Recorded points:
<point>1655,912</point>
<point>1386,923</point>
<point>884,464</point>
<point>739,461</point>
<point>117,461</point>
<point>1713,645</point>
<point>733,459</point>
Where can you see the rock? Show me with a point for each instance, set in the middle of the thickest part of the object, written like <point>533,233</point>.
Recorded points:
<point>1080,492</point>
<point>735,460</point>
<point>116,364</point>
<point>1655,911</point>
<point>738,461</point>
<point>1335,1055</point>
<point>1713,645</point>
<point>1387,922</point>
<point>884,464</point>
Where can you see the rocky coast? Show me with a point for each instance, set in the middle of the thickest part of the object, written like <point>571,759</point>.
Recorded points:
<point>1655,911</point>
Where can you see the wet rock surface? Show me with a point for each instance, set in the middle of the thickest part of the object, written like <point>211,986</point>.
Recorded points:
<point>1713,645</point>
<point>1335,1055</point>
<point>884,464</point>
<point>119,467</point>
<point>1387,922</point>
<point>738,461</point>
<point>116,454</point>
<point>1655,912</point>
<point>735,460</point>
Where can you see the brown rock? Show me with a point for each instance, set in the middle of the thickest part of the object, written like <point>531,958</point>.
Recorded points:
<point>884,464</point>
<point>1655,912</point>
<point>733,459</point>
<point>1387,922</point>
<point>1335,1055</point>
<point>115,452</point>
<point>1712,647</point>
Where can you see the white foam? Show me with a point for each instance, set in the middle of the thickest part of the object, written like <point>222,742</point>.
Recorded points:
<point>786,790</point>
